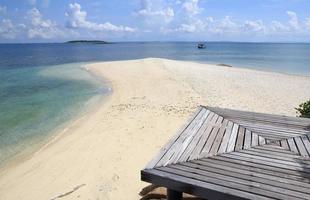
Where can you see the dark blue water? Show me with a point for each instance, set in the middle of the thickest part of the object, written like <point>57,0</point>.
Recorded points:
<point>288,57</point>
<point>43,86</point>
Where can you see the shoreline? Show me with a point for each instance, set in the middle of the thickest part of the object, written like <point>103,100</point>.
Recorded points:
<point>246,67</point>
<point>151,98</point>
<point>55,134</point>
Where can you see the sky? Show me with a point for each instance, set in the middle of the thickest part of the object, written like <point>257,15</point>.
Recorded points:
<point>23,21</point>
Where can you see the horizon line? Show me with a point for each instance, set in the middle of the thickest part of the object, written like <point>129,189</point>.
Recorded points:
<point>166,41</point>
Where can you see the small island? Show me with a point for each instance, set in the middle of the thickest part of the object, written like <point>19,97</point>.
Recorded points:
<point>87,42</point>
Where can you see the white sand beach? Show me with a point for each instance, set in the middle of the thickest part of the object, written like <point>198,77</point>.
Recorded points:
<point>100,156</point>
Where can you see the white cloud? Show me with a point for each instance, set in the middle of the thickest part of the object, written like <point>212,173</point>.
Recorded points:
<point>7,29</point>
<point>2,9</point>
<point>254,26</point>
<point>41,28</point>
<point>77,19</point>
<point>225,25</point>
<point>150,13</point>
<point>293,21</point>
<point>194,27</point>
<point>188,28</point>
<point>278,27</point>
<point>191,7</point>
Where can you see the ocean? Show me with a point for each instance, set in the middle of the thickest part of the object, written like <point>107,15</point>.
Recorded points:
<point>43,86</point>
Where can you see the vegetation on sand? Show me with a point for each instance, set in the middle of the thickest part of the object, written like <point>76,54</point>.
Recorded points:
<point>304,109</point>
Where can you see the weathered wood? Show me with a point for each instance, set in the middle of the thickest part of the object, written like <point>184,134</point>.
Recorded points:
<point>189,151</point>
<point>218,139</point>
<point>248,170</point>
<point>240,139</point>
<point>285,172</point>
<point>195,187</point>
<point>176,147</point>
<point>246,176</point>
<point>164,149</point>
<point>274,149</point>
<point>227,181</point>
<point>228,154</point>
<point>247,139</point>
<point>301,148</point>
<point>233,137</point>
<point>284,144</point>
<point>292,145</point>
<point>197,150</point>
<point>306,143</point>
<point>206,149</point>
<point>226,137</point>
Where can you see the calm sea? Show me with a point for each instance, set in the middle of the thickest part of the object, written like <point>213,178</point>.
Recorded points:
<point>43,85</point>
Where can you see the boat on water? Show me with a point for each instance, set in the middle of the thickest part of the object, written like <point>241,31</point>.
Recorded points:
<point>201,46</point>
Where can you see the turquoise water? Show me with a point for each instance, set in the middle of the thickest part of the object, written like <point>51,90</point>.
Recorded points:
<point>42,86</point>
<point>34,101</point>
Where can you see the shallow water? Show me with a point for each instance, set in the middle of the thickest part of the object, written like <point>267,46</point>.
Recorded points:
<point>34,101</point>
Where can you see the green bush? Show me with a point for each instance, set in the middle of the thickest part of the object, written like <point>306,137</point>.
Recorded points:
<point>304,109</point>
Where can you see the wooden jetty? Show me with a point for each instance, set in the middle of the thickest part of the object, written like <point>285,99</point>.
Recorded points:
<point>230,154</point>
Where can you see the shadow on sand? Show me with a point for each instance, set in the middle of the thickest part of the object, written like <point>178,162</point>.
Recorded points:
<point>153,192</point>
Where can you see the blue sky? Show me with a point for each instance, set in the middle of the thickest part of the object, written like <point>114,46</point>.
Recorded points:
<point>155,20</point>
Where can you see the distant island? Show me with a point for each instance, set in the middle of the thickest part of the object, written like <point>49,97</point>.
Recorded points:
<point>88,42</point>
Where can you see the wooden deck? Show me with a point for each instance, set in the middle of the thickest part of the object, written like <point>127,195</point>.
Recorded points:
<point>228,154</point>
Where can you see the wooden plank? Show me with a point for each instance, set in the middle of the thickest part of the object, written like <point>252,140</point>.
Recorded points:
<point>254,122</point>
<point>185,140</point>
<point>240,138</point>
<point>195,187</point>
<point>254,139</point>
<point>306,143</point>
<point>226,137</point>
<point>196,153</point>
<point>292,145</point>
<point>275,169</point>
<point>232,139</point>
<point>265,118</point>
<point>261,140</point>
<point>165,148</point>
<point>250,175</point>
<point>273,160</point>
<point>206,149</point>
<point>283,157</point>
<point>247,139</point>
<point>218,139</point>
<point>267,152</point>
<point>253,171</point>
<point>195,141</point>
<point>270,136</point>
<point>271,128</point>
<point>175,147</point>
<point>261,116</point>
<point>254,159</point>
<point>236,183</point>
<point>301,148</point>
<point>284,144</point>
<point>271,149</point>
